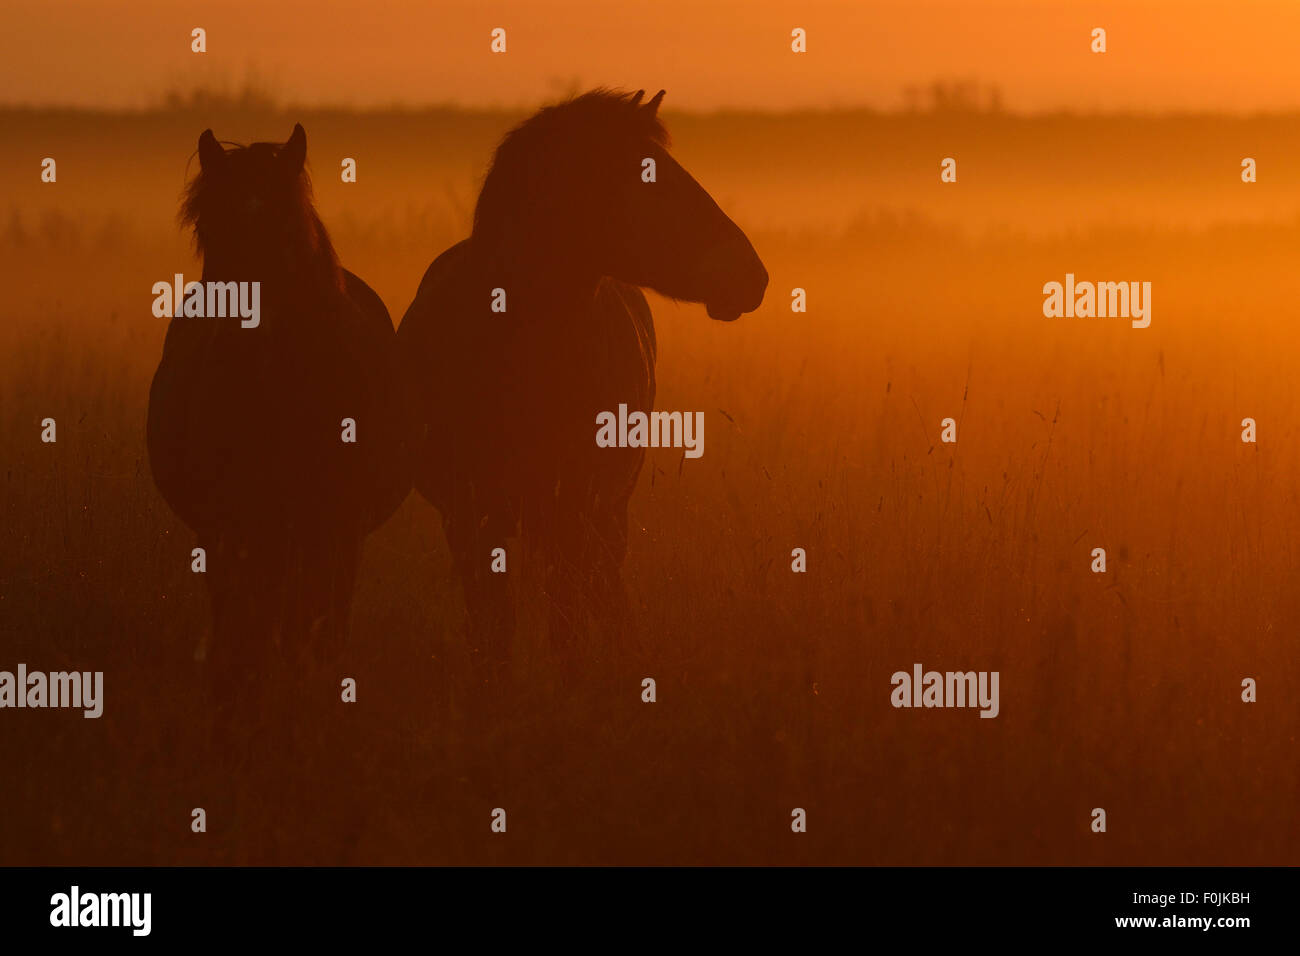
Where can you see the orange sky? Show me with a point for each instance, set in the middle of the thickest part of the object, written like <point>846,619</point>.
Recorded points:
<point>1235,55</point>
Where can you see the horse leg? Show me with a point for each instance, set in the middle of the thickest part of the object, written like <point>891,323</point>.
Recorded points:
<point>329,562</point>
<point>557,526</point>
<point>244,578</point>
<point>490,613</point>
<point>585,574</point>
<point>564,593</point>
<point>610,608</point>
<point>217,675</point>
<point>343,584</point>
<point>307,716</point>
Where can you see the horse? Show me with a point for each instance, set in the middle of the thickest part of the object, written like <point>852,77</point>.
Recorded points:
<point>522,333</point>
<point>246,432</point>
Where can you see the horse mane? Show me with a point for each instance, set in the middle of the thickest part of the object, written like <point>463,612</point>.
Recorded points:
<point>206,192</point>
<point>587,124</point>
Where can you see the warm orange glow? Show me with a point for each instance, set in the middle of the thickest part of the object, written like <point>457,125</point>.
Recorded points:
<point>924,302</point>
<point>1164,54</point>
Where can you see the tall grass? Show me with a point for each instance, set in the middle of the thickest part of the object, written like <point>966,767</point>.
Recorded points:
<point>1118,690</point>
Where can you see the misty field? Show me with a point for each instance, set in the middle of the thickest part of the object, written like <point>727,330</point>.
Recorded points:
<point>1119,690</point>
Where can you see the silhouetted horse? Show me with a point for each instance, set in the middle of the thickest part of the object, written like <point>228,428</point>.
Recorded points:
<point>245,424</point>
<point>567,227</point>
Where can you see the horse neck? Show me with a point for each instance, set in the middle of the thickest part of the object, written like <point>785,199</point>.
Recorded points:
<point>287,277</point>
<point>543,284</point>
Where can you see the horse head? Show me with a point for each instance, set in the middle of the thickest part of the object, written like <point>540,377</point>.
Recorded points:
<point>590,184</point>
<point>251,207</point>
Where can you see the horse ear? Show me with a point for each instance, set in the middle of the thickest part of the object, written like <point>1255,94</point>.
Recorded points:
<point>640,95</point>
<point>211,155</point>
<point>294,153</point>
<point>653,106</point>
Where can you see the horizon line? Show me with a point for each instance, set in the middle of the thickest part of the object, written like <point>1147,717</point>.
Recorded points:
<point>257,104</point>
